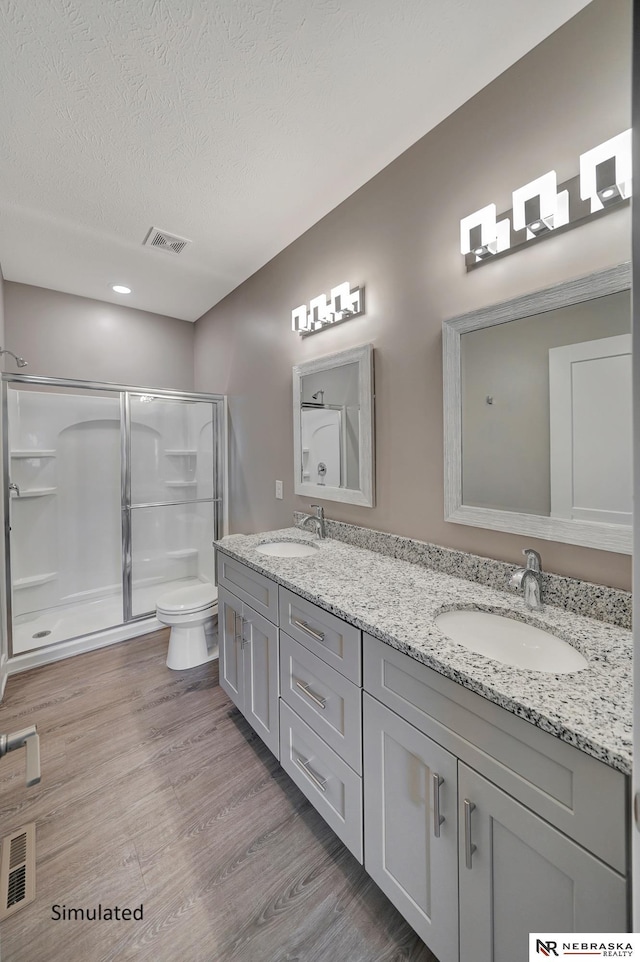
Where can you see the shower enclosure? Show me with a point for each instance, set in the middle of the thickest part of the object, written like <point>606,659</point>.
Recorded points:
<point>113,496</point>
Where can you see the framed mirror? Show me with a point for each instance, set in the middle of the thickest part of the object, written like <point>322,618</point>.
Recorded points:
<point>333,427</point>
<point>537,414</point>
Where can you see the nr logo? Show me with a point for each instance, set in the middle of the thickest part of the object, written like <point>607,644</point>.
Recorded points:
<point>546,948</point>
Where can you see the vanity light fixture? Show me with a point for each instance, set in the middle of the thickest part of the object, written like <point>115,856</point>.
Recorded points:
<point>120,289</point>
<point>605,172</point>
<point>481,235</point>
<point>543,207</point>
<point>538,207</point>
<point>343,304</point>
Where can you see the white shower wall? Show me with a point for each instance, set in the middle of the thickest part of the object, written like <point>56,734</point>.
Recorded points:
<point>65,459</point>
<point>66,537</point>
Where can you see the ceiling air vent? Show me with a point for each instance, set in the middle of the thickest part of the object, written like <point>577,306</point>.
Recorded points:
<point>162,240</point>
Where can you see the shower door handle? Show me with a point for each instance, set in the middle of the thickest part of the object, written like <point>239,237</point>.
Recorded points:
<point>14,487</point>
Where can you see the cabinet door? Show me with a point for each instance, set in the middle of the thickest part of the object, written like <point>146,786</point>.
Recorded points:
<point>260,700</point>
<point>408,851</point>
<point>524,876</point>
<point>230,646</point>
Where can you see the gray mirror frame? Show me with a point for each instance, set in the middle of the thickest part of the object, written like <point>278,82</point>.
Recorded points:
<point>365,494</point>
<point>606,537</point>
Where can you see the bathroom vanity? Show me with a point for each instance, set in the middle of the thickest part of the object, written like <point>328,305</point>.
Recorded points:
<point>486,801</point>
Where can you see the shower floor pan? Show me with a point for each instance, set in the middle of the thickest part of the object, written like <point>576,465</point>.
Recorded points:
<point>44,628</point>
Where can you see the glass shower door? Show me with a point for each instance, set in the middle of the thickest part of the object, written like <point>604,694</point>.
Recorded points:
<point>171,505</point>
<point>63,462</point>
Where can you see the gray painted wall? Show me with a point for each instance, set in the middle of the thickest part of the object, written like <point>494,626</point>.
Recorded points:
<point>398,235</point>
<point>506,462</point>
<point>62,335</point>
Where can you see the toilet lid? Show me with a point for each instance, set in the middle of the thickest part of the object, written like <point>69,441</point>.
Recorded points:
<point>193,598</point>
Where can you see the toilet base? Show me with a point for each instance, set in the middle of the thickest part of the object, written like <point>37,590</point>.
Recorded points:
<point>188,647</point>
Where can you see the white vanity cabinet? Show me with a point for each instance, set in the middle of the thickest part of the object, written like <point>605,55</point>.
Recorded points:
<point>434,750</point>
<point>321,713</point>
<point>248,644</point>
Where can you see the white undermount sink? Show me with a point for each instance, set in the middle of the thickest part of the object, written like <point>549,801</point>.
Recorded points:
<point>287,549</point>
<point>509,641</point>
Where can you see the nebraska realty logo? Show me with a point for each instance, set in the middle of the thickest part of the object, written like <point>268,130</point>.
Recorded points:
<point>575,945</point>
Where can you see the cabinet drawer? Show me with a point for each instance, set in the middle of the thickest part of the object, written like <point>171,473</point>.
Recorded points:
<point>331,786</point>
<point>325,699</point>
<point>565,786</point>
<point>250,586</point>
<point>328,637</point>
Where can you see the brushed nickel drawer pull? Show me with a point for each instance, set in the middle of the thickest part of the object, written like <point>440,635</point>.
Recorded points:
<point>438,819</point>
<point>320,702</point>
<point>303,626</point>
<point>320,783</point>
<point>469,849</point>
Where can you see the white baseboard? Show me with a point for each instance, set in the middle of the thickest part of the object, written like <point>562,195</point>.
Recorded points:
<point>77,646</point>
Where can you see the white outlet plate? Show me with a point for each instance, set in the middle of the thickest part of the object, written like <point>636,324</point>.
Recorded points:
<point>279,493</point>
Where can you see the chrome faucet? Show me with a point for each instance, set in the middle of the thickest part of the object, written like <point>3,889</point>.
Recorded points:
<point>316,519</point>
<point>529,579</point>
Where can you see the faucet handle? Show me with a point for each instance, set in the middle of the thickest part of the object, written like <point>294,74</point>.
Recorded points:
<point>319,510</point>
<point>534,561</point>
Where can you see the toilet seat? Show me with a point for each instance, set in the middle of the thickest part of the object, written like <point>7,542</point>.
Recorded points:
<point>186,600</point>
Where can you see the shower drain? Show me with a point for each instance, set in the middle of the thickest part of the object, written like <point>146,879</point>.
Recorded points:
<point>41,634</point>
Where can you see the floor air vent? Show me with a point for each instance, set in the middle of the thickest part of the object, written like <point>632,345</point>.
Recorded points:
<point>18,870</point>
<point>163,241</point>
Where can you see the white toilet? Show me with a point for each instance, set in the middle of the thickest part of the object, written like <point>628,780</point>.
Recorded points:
<point>190,614</point>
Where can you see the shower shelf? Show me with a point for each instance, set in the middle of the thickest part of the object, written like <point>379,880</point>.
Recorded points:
<point>182,453</point>
<point>181,484</point>
<point>32,493</point>
<point>33,580</point>
<point>34,453</point>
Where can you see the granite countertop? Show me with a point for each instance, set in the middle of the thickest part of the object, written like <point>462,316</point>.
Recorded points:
<point>397,602</point>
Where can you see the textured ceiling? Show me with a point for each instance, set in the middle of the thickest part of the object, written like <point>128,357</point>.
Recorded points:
<point>234,123</point>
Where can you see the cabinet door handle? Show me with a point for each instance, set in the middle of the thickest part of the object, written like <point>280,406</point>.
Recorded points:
<point>303,626</point>
<point>243,621</point>
<point>320,702</point>
<point>438,819</point>
<point>469,848</point>
<point>320,783</point>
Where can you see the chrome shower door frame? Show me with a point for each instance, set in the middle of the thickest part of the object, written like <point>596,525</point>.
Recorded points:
<point>219,493</point>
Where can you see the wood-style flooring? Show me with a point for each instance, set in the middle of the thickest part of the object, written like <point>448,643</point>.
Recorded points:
<point>155,791</point>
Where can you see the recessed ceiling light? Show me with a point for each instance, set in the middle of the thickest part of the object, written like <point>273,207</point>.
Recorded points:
<point>120,289</point>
